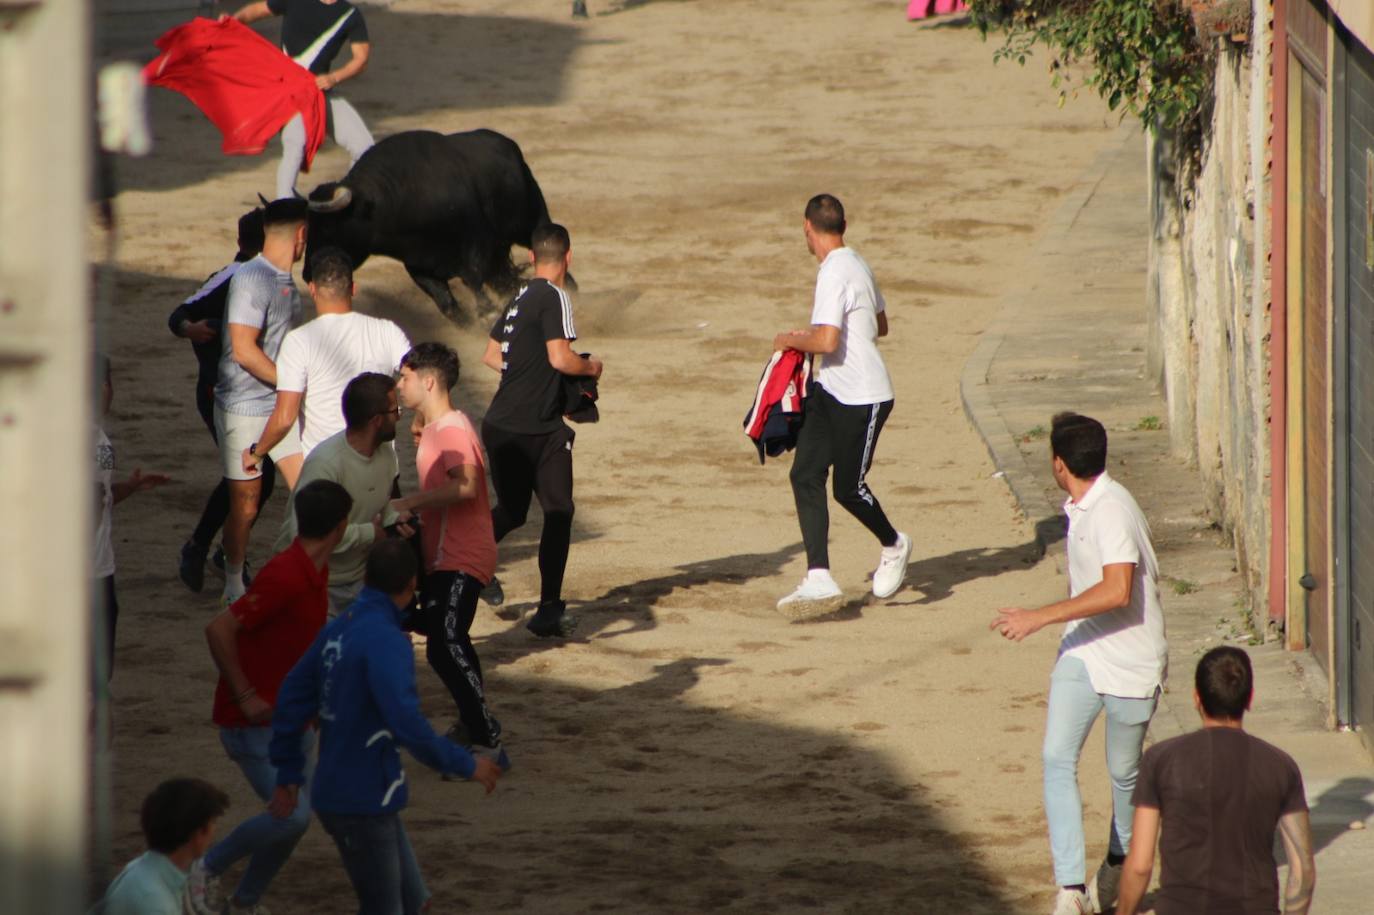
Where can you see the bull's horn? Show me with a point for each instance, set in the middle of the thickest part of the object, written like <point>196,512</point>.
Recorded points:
<point>341,198</point>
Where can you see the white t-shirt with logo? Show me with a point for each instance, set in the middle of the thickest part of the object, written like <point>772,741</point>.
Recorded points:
<point>847,297</point>
<point>322,356</point>
<point>104,565</point>
<point>1124,650</point>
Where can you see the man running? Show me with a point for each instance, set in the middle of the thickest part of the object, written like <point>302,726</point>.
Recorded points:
<point>845,410</point>
<point>200,319</point>
<point>529,444</point>
<point>362,461</point>
<point>456,538</point>
<point>312,34</point>
<point>254,644</point>
<point>319,358</point>
<point>358,680</point>
<point>263,305</point>
<point>1112,657</point>
<point>1223,794</point>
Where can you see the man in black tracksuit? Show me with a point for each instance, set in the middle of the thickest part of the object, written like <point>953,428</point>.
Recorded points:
<point>528,444</point>
<point>200,319</point>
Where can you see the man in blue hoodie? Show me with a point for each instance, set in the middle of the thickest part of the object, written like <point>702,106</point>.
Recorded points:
<point>358,679</point>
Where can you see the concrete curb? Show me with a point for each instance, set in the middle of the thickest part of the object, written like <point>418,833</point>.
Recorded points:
<point>976,393</point>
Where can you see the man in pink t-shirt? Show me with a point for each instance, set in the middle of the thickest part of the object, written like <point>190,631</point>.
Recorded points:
<point>456,538</point>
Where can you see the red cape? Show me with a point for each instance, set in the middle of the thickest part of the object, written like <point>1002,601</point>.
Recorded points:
<point>247,87</point>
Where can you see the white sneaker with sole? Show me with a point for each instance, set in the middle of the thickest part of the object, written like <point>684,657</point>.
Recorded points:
<point>1072,902</point>
<point>891,571</point>
<point>817,595</point>
<point>1105,886</point>
<point>203,896</point>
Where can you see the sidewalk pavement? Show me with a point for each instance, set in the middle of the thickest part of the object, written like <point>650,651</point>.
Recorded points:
<point>1073,337</point>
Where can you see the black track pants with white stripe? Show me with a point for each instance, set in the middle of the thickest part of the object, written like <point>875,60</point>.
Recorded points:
<point>842,437</point>
<point>449,604</point>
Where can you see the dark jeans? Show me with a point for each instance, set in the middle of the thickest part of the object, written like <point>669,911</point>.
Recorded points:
<point>106,600</point>
<point>380,863</point>
<point>217,506</point>
<point>448,607</point>
<point>542,466</point>
<point>844,437</point>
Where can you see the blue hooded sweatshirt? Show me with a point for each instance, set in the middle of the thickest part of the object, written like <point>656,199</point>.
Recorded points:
<point>358,679</point>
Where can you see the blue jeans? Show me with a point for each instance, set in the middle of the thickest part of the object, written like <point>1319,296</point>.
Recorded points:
<point>1073,707</point>
<point>268,840</point>
<point>380,863</point>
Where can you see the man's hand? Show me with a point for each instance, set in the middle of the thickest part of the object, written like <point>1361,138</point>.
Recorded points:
<point>198,331</point>
<point>255,709</point>
<point>251,461</point>
<point>1015,623</point>
<point>139,481</point>
<point>402,510</point>
<point>486,773</point>
<point>283,802</point>
<point>326,81</point>
<point>784,340</point>
<point>596,366</point>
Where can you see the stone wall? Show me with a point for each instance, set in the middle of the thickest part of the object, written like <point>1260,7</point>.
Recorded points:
<point>1208,294</point>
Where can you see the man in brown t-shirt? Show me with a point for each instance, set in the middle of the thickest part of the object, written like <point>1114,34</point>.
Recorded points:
<point>1220,794</point>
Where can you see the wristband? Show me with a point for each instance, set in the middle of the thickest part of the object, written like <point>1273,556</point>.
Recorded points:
<point>253,449</point>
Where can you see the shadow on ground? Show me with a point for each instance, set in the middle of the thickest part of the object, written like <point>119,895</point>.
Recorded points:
<point>421,63</point>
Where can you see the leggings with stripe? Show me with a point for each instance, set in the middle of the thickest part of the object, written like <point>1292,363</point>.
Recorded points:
<point>449,604</point>
<point>843,437</point>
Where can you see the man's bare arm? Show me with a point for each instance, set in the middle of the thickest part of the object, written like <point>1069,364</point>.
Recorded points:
<point>243,342</point>
<point>882,324</point>
<point>361,50</point>
<point>491,357</point>
<point>1140,861</point>
<point>818,338</point>
<point>1295,829</point>
<point>253,12</point>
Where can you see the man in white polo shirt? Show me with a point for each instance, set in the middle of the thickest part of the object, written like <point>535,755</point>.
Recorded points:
<point>844,413</point>
<point>1112,656</point>
<point>319,359</point>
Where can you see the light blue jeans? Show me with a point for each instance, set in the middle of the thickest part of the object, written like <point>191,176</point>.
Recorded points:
<point>268,840</point>
<point>1073,707</point>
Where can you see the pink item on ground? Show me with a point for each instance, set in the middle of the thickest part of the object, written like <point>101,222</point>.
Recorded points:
<point>920,9</point>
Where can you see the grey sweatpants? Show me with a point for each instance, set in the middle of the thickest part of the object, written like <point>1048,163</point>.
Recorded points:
<point>349,132</point>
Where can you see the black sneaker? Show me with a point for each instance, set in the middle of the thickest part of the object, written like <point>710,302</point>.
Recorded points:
<point>191,568</point>
<point>218,560</point>
<point>493,595</point>
<point>551,621</point>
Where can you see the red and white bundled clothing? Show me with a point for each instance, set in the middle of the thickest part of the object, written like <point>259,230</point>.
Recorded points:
<point>775,419</point>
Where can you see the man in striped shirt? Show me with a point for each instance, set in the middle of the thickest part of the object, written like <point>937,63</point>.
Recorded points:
<point>529,444</point>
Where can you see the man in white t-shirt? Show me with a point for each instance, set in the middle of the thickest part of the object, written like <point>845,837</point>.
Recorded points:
<point>846,407</point>
<point>1112,656</point>
<point>319,359</point>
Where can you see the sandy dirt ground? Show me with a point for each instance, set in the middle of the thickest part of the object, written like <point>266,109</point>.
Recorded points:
<point>690,750</point>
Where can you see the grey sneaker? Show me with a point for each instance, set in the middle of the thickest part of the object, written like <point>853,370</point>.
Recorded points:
<point>1105,886</point>
<point>203,895</point>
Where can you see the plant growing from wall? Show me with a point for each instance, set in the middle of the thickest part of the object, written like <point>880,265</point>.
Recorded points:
<point>1142,56</point>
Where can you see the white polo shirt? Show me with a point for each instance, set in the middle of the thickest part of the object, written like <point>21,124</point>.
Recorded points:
<point>322,356</point>
<point>847,297</point>
<point>1124,649</point>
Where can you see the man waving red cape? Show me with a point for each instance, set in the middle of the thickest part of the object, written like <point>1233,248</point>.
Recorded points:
<point>247,87</point>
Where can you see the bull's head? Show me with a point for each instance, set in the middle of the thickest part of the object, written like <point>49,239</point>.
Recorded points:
<point>338,219</point>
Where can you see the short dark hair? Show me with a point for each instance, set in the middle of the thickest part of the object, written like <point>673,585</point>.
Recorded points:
<point>433,357</point>
<point>391,565</point>
<point>1080,442</point>
<point>320,505</point>
<point>177,809</point>
<point>285,211</point>
<point>550,242</point>
<point>332,270</point>
<point>366,397</point>
<point>1225,681</point>
<point>826,214</point>
<point>251,233</point>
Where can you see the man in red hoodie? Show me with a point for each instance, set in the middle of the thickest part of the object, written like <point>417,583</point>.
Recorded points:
<point>255,643</point>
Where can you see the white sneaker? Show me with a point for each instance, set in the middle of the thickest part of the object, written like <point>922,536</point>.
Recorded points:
<point>817,595</point>
<point>891,571</point>
<point>1072,902</point>
<point>1105,886</point>
<point>203,896</point>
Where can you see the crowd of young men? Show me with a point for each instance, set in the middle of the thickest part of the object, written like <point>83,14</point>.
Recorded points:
<point>318,639</point>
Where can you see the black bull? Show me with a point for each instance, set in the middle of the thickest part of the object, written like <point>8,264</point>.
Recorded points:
<point>445,206</point>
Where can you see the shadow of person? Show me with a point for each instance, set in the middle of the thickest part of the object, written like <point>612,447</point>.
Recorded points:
<point>1337,807</point>
<point>935,578</point>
